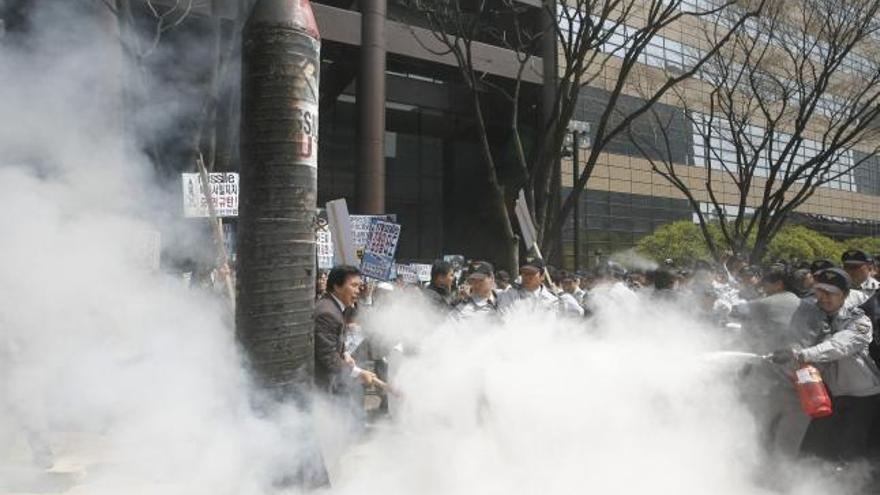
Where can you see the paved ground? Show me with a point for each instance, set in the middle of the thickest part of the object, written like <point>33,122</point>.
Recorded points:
<point>73,456</point>
<point>77,456</point>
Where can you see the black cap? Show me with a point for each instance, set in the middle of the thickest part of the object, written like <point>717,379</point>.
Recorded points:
<point>832,280</point>
<point>803,265</point>
<point>534,263</point>
<point>856,256</point>
<point>819,265</point>
<point>481,269</point>
<point>503,276</point>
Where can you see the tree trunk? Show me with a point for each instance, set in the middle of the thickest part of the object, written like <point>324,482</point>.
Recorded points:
<point>509,259</point>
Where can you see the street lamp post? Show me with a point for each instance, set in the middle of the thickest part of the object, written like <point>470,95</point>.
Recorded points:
<point>580,132</point>
<point>575,166</point>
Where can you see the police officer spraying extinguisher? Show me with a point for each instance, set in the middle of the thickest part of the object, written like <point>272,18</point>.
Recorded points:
<point>835,337</point>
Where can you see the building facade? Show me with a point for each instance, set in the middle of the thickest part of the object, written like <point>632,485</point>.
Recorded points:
<point>430,165</point>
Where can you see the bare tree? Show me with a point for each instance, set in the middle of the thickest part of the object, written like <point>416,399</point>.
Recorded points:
<point>604,43</point>
<point>456,25</point>
<point>792,107</point>
<point>143,26</point>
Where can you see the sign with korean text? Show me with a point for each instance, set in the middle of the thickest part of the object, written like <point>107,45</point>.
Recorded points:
<point>423,270</point>
<point>378,259</point>
<point>413,273</point>
<point>324,245</point>
<point>407,273</point>
<point>224,193</point>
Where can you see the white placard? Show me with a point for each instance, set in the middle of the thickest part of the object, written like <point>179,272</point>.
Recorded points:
<point>423,271</point>
<point>340,231</point>
<point>407,273</point>
<point>224,192</point>
<point>324,247</point>
<point>525,221</point>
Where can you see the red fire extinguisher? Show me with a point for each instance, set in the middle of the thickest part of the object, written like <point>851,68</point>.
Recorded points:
<point>811,390</point>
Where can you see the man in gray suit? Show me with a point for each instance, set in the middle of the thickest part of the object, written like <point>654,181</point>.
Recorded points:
<point>335,370</point>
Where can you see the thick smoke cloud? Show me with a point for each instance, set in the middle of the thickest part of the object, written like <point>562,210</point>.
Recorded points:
<point>132,380</point>
<point>632,403</point>
<point>135,382</point>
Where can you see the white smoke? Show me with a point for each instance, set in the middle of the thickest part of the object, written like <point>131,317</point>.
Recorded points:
<point>623,404</point>
<point>135,382</point>
<point>633,260</point>
<point>117,375</point>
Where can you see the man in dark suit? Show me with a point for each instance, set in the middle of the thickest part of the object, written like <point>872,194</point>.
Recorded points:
<point>335,370</point>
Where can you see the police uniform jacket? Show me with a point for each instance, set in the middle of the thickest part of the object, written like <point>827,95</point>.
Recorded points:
<point>472,308</point>
<point>541,299</point>
<point>838,345</point>
<point>862,293</point>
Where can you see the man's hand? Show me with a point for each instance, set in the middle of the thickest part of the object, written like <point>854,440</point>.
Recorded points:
<point>367,377</point>
<point>349,360</point>
<point>783,356</point>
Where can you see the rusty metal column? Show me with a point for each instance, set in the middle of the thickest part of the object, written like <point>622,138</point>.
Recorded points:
<point>279,157</point>
<point>370,175</point>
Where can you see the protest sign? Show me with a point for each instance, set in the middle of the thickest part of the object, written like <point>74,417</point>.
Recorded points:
<point>339,223</point>
<point>324,246</point>
<point>526,226</point>
<point>407,273</point>
<point>423,270</point>
<point>360,230</point>
<point>224,193</point>
<point>414,273</point>
<point>379,251</point>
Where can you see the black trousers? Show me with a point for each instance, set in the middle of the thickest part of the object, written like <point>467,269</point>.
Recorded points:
<point>842,436</point>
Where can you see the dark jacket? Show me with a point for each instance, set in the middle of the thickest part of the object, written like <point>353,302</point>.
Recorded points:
<point>330,368</point>
<point>871,307</point>
<point>439,297</point>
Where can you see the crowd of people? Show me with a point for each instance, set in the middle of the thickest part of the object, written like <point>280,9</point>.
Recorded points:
<point>822,313</point>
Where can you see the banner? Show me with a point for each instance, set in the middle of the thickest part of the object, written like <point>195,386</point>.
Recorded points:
<point>224,192</point>
<point>378,259</point>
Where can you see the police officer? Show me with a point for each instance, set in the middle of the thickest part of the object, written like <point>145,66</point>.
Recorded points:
<point>480,303</point>
<point>534,294</point>
<point>571,284</point>
<point>835,338</point>
<point>859,265</point>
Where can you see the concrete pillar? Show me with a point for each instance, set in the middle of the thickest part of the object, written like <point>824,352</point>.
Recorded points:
<point>370,176</point>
